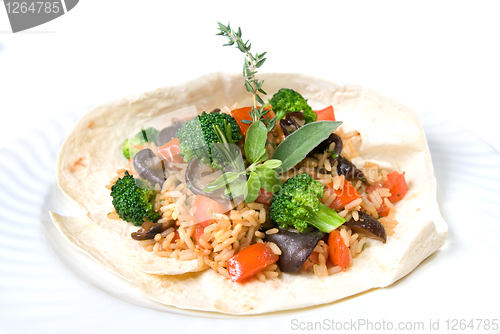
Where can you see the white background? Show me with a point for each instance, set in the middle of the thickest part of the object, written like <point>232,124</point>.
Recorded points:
<point>437,56</point>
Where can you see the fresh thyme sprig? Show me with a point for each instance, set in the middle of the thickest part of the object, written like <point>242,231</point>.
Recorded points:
<point>252,63</point>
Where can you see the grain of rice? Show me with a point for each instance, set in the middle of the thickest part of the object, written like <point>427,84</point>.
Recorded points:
<point>345,235</point>
<point>343,213</point>
<point>200,263</point>
<point>225,244</point>
<point>157,237</point>
<point>260,276</point>
<point>259,234</point>
<point>320,270</point>
<point>337,181</point>
<point>270,274</point>
<point>355,215</point>
<point>262,216</point>
<point>276,250</point>
<point>328,166</point>
<point>353,248</point>
<point>156,247</point>
<point>354,237</point>
<point>225,255</point>
<point>321,162</point>
<point>348,216</point>
<point>223,272</point>
<point>149,248</point>
<point>321,258</point>
<point>162,254</point>
<point>168,239</point>
<point>353,204</point>
<point>334,270</point>
<point>273,230</point>
<point>361,243</point>
<point>330,199</point>
<point>256,206</point>
<point>175,253</point>
<point>147,242</point>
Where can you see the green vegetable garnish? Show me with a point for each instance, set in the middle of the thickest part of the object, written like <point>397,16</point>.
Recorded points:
<point>198,136</point>
<point>133,201</point>
<point>298,205</point>
<point>287,100</point>
<point>252,63</point>
<point>302,141</point>
<point>145,135</point>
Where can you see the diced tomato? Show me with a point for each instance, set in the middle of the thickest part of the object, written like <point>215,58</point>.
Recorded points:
<point>374,186</point>
<point>205,208</point>
<point>311,261</point>
<point>339,252</point>
<point>250,261</point>
<point>397,186</point>
<point>241,114</point>
<point>383,210</point>
<point>198,232</point>
<point>171,150</point>
<point>264,197</point>
<point>345,195</point>
<point>326,114</point>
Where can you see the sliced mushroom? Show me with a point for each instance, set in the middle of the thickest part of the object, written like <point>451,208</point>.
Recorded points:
<point>168,133</point>
<point>295,247</point>
<point>349,170</point>
<point>325,145</point>
<point>148,229</point>
<point>199,175</point>
<point>292,122</point>
<point>368,226</point>
<point>150,167</point>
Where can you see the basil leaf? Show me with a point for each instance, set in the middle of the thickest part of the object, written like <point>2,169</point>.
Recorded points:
<point>224,179</point>
<point>302,141</point>
<point>253,188</point>
<point>269,180</point>
<point>255,141</point>
<point>271,163</point>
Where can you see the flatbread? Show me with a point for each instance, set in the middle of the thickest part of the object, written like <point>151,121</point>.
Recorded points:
<point>391,135</point>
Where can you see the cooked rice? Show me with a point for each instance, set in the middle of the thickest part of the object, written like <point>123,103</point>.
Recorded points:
<point>240,228</point>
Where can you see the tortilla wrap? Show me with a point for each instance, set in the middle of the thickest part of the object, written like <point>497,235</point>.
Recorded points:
<point>391,136</point>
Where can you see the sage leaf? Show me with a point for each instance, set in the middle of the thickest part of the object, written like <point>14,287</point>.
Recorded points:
<point>252,188</point>
<point>302,141</point>
<point>256,141</point>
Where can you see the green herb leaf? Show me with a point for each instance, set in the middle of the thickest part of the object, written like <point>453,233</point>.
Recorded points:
<point>236,188</point>
<point>269,179</point>
<point>255,141</point>
<point>252,188</point>
<point>223,180</point>
<point>271,163</point>
<point>297,145</point>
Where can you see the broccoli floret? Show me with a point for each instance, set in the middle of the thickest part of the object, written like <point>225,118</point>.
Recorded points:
<point>145,135</point>
<point>287,100</point>
<point>297,205</point>
<point>197,135</point>
<point>134,200</point>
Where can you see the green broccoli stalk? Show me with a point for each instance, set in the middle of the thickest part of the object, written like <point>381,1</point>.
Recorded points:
<point>287,100</point>
<point>197,136</point>
<point>145,135</point>
<point>133,201</point>
<point>297,205</point>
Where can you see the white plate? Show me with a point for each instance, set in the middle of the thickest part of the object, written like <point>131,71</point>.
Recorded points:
<point>47,286</point>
